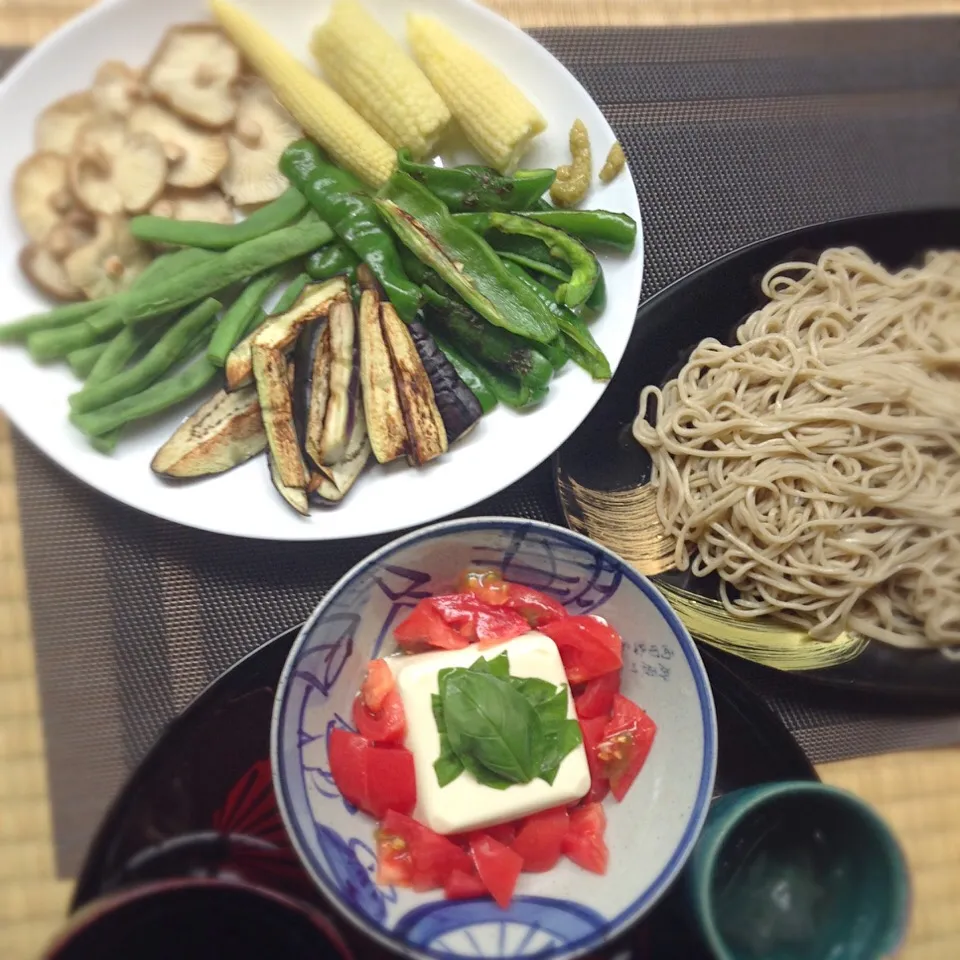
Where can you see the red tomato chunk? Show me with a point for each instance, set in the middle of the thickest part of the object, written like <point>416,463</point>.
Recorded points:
<point>596,698</point>
<point>584,843</point>
<point>592,730</point>
<point>429,857</point>
<point>535,607</point>
<point>376,685</point>
<point>589,647</point>
<point>498,867</point>
<point>627,739</point>
<point>539,840</point>
<point>463,886</point>
<point>387,725</point>
<point>375,779</point>
<point>426,628</point>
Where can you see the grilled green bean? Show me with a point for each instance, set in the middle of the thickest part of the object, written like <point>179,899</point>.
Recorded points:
<point>237,319</point>
<point>55,319</point>
<point>82,361</point>
<point>205,279</point>
<point>221,236</point>
<point>159,396</point>
<point>46,345</point>
<point>158,360</point>
<point>289,296</point>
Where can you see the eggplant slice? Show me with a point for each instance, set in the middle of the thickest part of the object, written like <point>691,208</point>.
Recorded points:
<point>335,432</point>
<point>271,373</point>
<point>312,389</point>
<point>335,482</point>
<point>381,400</point>
<point>426,434</point>
<point>280,332</point>
<point>295,496</point>
<point>223,433</point>
<point>457,403</point>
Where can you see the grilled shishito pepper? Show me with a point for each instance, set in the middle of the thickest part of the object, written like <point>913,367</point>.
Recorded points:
<point>463,259</point>
<point>341,201</point>
<point>477,188</point>
<point>592,226</point>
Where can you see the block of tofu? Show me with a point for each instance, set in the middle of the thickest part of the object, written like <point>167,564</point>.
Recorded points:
<point>466,804</point>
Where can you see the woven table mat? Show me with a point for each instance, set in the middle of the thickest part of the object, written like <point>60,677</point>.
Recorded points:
<point>123,647</point>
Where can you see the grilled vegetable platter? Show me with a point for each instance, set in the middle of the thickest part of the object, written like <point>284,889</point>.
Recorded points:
<point>357,268</point>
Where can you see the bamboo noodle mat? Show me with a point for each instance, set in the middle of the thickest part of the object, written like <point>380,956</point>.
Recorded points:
<point>916,792</point>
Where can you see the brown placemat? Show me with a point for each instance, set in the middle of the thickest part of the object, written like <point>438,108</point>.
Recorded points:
<point>733,134</point>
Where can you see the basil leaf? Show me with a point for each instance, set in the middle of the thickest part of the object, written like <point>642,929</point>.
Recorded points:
<point>447,766</point>
<point>535,690</point>
<point>499,666</point>
<point>494,723</point>
<point>482,775</point>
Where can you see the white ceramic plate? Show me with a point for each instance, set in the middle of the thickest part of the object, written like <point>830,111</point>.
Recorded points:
<point>504,447</point>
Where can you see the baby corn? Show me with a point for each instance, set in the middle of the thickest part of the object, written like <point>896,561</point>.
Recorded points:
<point>321,111</point>
<point>497,118</point>
<point>371,71</point>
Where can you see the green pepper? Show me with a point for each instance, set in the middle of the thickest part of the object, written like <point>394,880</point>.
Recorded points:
<point>333,259</point>
<point>594,226</point>
<point>473,187</point>
<point>463,259</point>
<point>577,339</point>
<point>342,202</point>
<point>498,348</point>
<point>583,264</point>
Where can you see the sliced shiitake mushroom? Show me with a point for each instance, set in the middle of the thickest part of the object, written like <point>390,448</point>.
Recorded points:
<point>195,157</point>
<point>48,273</point>
<point>261,131</point>
<point>57,126</point>
<point>209,205</point>
<point>194,70</point>
<point>71,233</point>
<point>113,169</point>
<point>117,89</point>
<point>111,261</point>
<point>41,193</point>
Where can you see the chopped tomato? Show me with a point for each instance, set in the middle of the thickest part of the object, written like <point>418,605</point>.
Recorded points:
<point>596,699</point>
<point>426,628</point>
<point>503,832</point>
<point>627,739</point>
<point>394,868</point>
<point>375,779</point>
<point>589,647</point>
<point>474,619</point>
<point>535,607</point>
<point>497,624</point>
<point>488,585</point>
<point>498,867</point>
<point>348,765</point>
<point>539,840</point>
<point>376,685</point>
<point>584,843</point>
<point>463,886</point>
<point>592,730</point>
<point>387,725</point>
<point>432,857</point>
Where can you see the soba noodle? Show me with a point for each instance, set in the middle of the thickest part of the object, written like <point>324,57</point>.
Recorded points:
<point>815,465</point>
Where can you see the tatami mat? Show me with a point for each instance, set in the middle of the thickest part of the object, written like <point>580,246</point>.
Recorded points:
<point>916,792</point>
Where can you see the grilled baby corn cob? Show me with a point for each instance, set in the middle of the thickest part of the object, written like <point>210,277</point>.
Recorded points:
<point>497,118</point>
<point>371,71</point>
<point>322,113</point>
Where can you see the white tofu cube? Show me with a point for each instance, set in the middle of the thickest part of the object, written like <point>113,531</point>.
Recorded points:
<point>466,804</point>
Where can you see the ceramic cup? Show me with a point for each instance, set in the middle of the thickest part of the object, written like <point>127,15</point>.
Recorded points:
<point>797,871</point>
<point>197,919</point>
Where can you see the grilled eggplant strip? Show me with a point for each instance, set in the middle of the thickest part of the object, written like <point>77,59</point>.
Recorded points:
<point>426,435</point>
<point>223,433</point>
<point>271,373</point>
<point>315,390</point>
<point>281,331</point>
<point>381,400</point>
<point>295,497</point>
<point>342,326</point>
<point>340,477</point>
<point>457,403</point>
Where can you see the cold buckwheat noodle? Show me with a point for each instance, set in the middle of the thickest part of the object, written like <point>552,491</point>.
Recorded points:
<point>815,465</point>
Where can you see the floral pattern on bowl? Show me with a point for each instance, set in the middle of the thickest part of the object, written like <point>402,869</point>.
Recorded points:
<point>557,915</point>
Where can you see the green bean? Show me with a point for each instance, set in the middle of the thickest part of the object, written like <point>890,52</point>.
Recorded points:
<point>158,360</point>
<point>82,361</point>
<point>119,352</point>
<point>221,236</point>
<point>55,319</point>
<point>236,320</point>
<point>238,263</point>
<point>159,396</point>
<point>172,265</point>
<point>46,345</point>
<point>289,296</point>
<point>107,443</point>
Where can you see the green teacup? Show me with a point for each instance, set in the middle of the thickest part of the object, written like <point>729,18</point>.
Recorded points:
<point>797,871</point>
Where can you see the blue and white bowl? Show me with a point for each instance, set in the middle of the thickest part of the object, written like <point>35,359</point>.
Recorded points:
<point>557,915</point>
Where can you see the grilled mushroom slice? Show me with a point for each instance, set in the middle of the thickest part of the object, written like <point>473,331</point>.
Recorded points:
<point>117,89</point>
<point>195,157</point>
<point>195,70</point>
<point>108,263</point>
<point>41,194</point>
<point>261,131</point>
<point>47,273</point>
<point>58,125</point>
<point>113,170</point>
<point>208,205</point>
